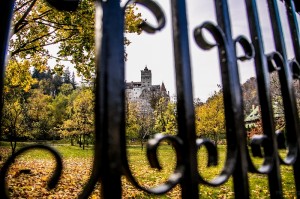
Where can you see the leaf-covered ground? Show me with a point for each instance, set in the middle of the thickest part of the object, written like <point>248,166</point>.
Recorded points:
<point>28,176</point>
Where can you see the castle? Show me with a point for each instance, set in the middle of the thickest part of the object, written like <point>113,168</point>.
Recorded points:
<point>143,90</point>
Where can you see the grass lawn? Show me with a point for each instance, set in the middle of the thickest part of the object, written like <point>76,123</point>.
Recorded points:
<point>77,167</point>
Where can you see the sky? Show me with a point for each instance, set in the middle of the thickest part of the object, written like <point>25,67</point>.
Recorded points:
<point>156,50</point>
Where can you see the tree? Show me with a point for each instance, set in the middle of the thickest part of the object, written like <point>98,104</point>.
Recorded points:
<point>277,100</point>
<point>160,115</point>
<point>17,83</point>
<point>250,95</point>
<point>66,89</point>
<point>37,26</point>
<point>166,117</point>
<point>13,124</point>
<point>171,115</point>
<point>39,114</point>
<point>210,118</point>
<point>18,77</point>
<point>145,122</point>
<point>140,121</point>
<point>58,108</point>
<point>132,126</point>
<point>80,124</point>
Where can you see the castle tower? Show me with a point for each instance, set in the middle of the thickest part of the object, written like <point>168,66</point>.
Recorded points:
<point>146,77</point>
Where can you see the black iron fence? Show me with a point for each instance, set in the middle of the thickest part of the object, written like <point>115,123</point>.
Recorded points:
<point>111,162</point>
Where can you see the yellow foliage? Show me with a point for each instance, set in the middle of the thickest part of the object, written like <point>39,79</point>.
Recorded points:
<point>210,116</point>
<point>18,76</point>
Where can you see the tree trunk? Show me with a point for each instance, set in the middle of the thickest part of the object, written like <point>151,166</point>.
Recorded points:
<point>83,142</point>
<point>142,144</point>
<point>80,143</point>
<point>13,144</point>
<point>72,141</point>
<point>216,138</point>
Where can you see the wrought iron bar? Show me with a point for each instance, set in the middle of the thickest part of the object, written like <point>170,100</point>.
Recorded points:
<point>288,95</point>
<point>233,102</point>
<point>109,109</point>
<point>271,164</point>
<point>294,27</point>
<point>6,8</point>
<point>186,116</point>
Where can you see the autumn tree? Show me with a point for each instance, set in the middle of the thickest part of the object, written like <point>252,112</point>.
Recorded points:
<point>80,124</point>
<point>140,121</point>
<point>250,95</point>
<point>160,114</point>
<point>170,115</point>
<point>58,106</point>
<point>39,114</point>
<point>166,117</point>
<point>277,101</point>
<point>210,119</point>
<point>131,123</point>
<point>13,124</point>
<point>145,122</point>
<point>17,84</point>
<point>37,26</point>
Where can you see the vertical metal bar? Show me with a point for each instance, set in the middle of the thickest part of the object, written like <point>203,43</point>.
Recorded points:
<point>287,91</point>
<point>263,81</point>
<point>233,103</point>
<point>294,27</point>
<point>6,10</point>
<point>109,95</point>
<point>295,34</point>
<point>186,117</point>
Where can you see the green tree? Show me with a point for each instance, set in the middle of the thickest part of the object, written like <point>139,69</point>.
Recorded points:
<point>13,124</point>
<point>66,89</point>
<point>58,109</point>
<point>39,114</point>
<point>80,124</point>
<point>17,83</point>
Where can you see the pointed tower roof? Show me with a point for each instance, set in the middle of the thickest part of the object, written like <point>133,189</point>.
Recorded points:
<point>163,88</point>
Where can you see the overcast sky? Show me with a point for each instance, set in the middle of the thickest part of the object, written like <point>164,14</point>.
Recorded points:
<point>156,50</point>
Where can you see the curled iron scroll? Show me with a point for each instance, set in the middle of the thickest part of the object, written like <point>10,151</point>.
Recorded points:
<point>216,32</point>
<point>152,147</point>
<point>220,41</point>
<point>246,46</point>
<point>154,143</point>
<point>257,142</point>
<point>157,12</point>
<point>212,160</point>
<point>97,165</point>
<point>53,179</point>
<point>231,156</point>
<point>295,68</point>
<point>275,63</point>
